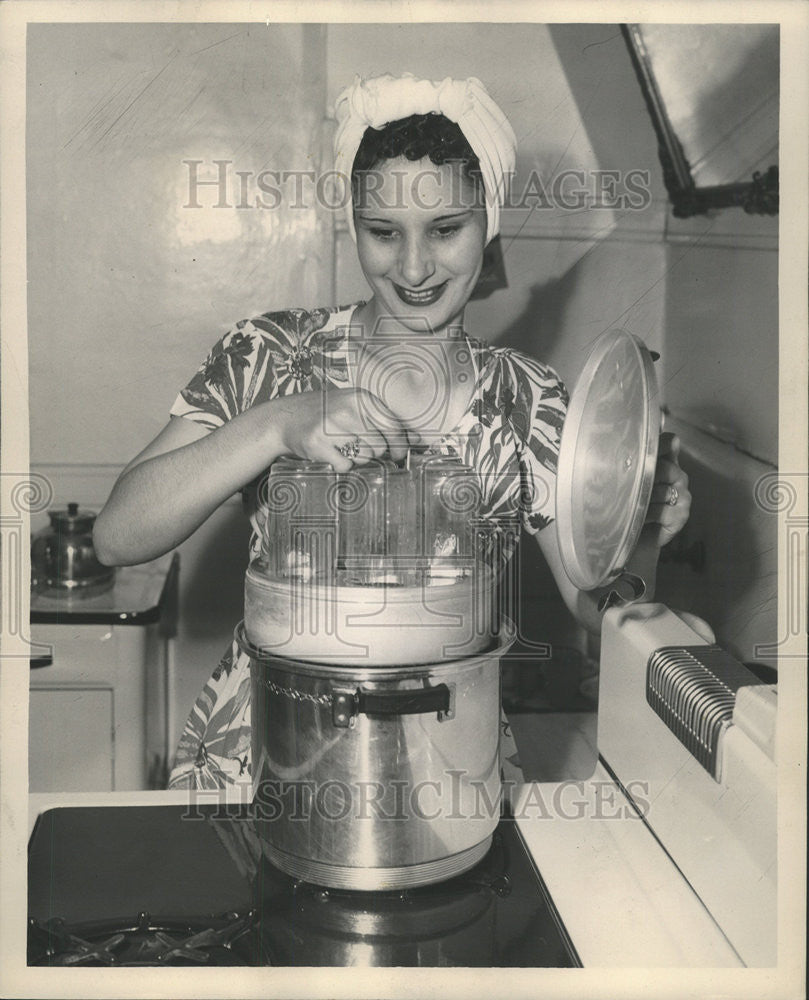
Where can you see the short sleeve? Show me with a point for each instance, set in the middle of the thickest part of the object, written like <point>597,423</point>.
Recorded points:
<point>540,415</point>
<point>237,374</point>
<point>275,354</point>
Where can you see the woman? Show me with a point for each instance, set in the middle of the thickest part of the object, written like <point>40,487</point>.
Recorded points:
<point>428,164</point>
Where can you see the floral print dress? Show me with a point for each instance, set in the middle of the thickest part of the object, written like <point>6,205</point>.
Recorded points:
<point>509,434</point>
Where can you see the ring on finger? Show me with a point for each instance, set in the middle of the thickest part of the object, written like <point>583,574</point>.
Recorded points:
<point>673,496</point>
<point>350,449</point>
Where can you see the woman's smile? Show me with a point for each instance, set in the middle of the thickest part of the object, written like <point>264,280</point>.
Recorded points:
<point>421,296</point>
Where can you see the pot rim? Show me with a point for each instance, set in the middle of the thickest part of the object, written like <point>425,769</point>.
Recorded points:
<point>501,643</point>
<point>482,576</point>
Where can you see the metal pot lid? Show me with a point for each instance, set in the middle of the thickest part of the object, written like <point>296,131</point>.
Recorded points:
<point>607,459</point>
<point>72,519</point>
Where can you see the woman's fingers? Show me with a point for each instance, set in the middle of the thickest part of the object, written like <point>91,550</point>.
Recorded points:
<point>665,523</point>
<point>668,446</point>
<point>669,519</point>
<point>670,494</point>
<point>363,414</point>
<point>670,501</point>
<point>360,427</point>
<point>339,462</point>
<point>381,425</point>
<point>344,427</point>
<point>362,447</point>
<point>669,472</point>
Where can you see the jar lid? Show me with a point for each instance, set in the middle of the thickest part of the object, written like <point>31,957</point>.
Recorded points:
<point>374,468</point>
<point>288,465</point>
<point>607,459</point>
<point>434,459</point>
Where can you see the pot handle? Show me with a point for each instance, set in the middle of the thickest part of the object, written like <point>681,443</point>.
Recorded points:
<point>414,701</point>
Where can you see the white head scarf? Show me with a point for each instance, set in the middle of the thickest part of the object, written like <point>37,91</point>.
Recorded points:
<point>384,99</point>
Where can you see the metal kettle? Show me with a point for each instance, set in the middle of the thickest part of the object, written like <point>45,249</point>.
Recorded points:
<point>62,555</point>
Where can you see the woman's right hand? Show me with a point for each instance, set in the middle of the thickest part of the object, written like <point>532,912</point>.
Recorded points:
<point>316,425</point>
<point>185,473</point>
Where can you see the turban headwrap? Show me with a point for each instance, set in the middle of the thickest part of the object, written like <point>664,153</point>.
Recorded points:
<point>384,99</point>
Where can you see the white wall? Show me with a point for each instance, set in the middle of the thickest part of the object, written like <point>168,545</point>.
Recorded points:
<point>128,288</point>
<point>722,345</point>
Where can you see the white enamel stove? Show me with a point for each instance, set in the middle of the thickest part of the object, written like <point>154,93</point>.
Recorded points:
<point>667,855</point>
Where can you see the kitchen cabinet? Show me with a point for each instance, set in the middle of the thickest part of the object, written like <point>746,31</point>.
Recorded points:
<point>72,741</point>
<point>99,700</point>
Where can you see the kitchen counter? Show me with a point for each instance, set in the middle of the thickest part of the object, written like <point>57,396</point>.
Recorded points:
<point>139,595</point>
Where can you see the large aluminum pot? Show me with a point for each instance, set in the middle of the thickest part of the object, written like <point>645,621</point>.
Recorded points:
<point>376,777</point>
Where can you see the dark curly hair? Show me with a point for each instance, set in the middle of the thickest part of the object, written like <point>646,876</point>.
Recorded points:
<point>415,138</point>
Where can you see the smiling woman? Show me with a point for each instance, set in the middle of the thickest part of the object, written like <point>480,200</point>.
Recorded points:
<point>345,385</point>
<point>425,250</point>
<point>421,253</point>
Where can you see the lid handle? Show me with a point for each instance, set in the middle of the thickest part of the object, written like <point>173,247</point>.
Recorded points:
<point>627,589</point>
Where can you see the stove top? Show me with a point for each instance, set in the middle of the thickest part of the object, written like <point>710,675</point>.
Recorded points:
<point>189,885</point>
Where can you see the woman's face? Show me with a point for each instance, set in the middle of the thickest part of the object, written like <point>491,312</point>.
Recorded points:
<point>420,238</point>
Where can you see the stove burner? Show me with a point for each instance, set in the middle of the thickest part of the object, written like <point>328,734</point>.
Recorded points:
<point>162,891</point>
<point>218,941</point>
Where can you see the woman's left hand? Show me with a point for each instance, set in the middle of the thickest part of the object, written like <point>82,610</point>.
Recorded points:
<point>671,500</point>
